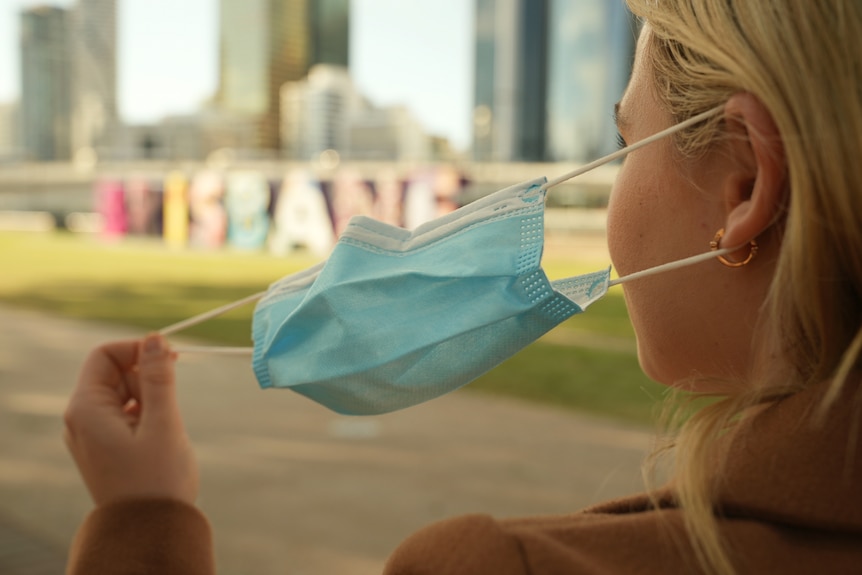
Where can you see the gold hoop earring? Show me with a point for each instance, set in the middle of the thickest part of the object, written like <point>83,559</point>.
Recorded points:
<point>752,251</point>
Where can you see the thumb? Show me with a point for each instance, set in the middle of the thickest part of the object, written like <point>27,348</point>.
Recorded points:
<point>156,380</point>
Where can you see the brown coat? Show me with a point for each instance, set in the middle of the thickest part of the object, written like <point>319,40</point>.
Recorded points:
<point>791,502</point>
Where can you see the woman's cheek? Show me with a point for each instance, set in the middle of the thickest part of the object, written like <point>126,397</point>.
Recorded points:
<point>621,226</point>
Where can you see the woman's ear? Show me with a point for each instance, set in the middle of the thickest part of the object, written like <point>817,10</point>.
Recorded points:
<point>754,197</point>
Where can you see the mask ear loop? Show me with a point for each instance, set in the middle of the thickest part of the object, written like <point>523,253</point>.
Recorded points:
<point>636,146</point>
<point>200,318</point>
<point>696,259</point>
<point>171,329</point>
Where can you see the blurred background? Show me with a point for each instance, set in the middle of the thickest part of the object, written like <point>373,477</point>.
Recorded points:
<point>159,158</point>
<point>403,108</point>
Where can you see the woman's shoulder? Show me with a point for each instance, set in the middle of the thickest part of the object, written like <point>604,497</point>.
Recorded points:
<point>466,544</point>
<point>623,537</point>
<point>631,536</point>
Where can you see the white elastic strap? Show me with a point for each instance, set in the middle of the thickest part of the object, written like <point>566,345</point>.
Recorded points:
<point>213,350</point>
<point>187,323</point>
<point>672,266</point>
<point>637,275</point>
<point>636,146</point>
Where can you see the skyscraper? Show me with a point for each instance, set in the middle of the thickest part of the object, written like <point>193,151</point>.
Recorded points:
<point>511,80</point>
<point>244,55</point>
<point>483,95</point>
<point>329,22</point>
<point>547,75</point>
<point>45,83</point>
<point>266,43</point>
<point>94,72</point>
<point>592,45</point>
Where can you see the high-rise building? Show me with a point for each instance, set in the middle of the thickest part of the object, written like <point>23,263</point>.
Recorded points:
<point>592,45</point>
<point>94,72</point>
<point>483,94</point>
<point>547,75</point>
<point>511,80</point>
<point>244,55</point>
<point>325,113</point>
<point>266,43</point>
<point>45,83</point>
<point>329,22</point>
<point>317,112</point>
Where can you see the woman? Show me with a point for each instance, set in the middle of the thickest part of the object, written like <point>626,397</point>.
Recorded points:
<point>766,478</point>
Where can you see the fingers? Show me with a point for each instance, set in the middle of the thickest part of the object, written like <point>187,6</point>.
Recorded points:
<point>100,385</point>
<point>106,365</point>
<point>156,382</point>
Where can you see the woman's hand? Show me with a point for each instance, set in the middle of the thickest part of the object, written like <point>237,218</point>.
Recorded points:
<point>123,425</point>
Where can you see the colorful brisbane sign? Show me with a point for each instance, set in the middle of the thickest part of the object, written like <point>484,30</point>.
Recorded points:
<point>246,210</point>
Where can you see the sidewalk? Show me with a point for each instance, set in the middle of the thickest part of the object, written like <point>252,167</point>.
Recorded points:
<point>288,486</point>
<point>23,553</point>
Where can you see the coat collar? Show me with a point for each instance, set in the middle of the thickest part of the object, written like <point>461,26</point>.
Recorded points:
<point>785,467</point>
<point>782,467</point>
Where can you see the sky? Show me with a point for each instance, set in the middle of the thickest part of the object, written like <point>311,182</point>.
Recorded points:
<point>418,53</point>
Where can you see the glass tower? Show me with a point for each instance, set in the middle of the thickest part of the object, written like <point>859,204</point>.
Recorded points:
<point>511,80</point>
<point>483,110</point>
<point>591,49</point>
<point>330,38</point>
<point>94,81</point>
<point>45,83</point>
<point>547,75</point>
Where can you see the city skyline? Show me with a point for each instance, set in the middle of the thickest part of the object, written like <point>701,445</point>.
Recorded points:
<point>428,43</point>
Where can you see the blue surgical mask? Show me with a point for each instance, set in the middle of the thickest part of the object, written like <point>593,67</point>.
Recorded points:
<point>395,317</point>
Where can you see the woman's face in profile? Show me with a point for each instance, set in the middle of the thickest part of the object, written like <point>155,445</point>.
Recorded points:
<point>664,207</point>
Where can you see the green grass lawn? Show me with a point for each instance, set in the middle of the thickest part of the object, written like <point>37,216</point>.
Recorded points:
<point>141,283</point>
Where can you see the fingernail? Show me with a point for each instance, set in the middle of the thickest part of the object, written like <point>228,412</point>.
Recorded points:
<point>153,343</point>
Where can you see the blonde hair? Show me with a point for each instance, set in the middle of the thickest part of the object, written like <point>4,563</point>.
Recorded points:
<point>801,59</point>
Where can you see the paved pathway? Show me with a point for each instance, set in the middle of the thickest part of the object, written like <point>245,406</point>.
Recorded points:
<point>290,487</point>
